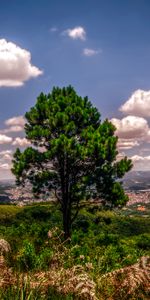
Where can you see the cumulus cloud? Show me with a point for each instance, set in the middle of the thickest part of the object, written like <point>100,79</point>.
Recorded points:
<point>4,166</point>
<point>15,121</point>
<point>16,124</point>
<point>22,142</point>
<point>12,129</point>
<point>4,139</point>
<point>125,144</point>
<point>138,104</point>
<point>141,162</point>
<point>5,152</point>
<point>5,171</point>
<point>5,155</point>
<point>131,127</point>
<point>120,155</point>
<point>132,131</point>
<point>76,33</point>
<point>136,158</point>
<point>90,52</point>
<point>15,64</point>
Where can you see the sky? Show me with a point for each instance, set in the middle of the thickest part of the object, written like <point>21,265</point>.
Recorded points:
<point>100,47</point>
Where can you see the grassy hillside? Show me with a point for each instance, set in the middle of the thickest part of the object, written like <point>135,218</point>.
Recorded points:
<point>102,242</point>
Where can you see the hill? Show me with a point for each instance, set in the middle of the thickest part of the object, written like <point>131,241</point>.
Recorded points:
<point>42,263</point>
<point>137,181</point>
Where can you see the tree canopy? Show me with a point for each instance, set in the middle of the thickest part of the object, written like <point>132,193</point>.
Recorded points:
<point>74,154</point>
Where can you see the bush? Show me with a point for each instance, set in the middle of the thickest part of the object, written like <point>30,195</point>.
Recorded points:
<point>107,238</point>
<point>143,241</point>
<point>82,222</point>
<point>44,258</point>
<point>27,257</point>
<point>39,213</point>
<point>117,256</point>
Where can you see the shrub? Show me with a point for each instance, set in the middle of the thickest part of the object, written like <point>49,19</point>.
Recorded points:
<point>143,241</point>
<point>44,258</point>
<point>82,222</point>
<point>107,238</point>
<point>27,258</point>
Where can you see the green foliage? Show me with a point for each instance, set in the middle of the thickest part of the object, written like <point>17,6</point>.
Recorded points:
<point>143,241</point>
<point>27,257</point>
<point>101,242</point>
<point>82,222</point>
<point>26,292</point>
<point>107,239</point>
<point>117,256</point>
<point>44,258</point>
<point>78,157</point>
<point>7,212</point>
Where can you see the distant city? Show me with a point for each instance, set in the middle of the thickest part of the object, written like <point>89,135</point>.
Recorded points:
<point>136,184</point>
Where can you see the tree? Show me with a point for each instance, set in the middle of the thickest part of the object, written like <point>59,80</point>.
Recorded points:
<point>73,154</point>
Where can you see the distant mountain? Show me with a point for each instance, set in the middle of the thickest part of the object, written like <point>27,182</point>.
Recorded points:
<point>7,182</point>
<point>137,180</point>
<point>133,181</point>
<point>5,186</point>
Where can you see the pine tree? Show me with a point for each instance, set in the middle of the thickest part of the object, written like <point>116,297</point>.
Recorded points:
<point>73,154</point>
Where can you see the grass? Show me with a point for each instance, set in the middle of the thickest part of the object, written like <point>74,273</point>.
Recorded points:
<point>7,212</point>
<point>102,242</point>
<point>25,292</point>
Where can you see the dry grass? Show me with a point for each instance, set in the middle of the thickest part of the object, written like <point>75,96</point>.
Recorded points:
<point>129,281</point>
<point>6,275</point>
<point>124,283</point>
<point>74,280</point>
<point>4,247</point>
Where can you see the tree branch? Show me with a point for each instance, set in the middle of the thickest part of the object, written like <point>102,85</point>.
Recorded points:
<point>57,197</point>
<point>76,213</point>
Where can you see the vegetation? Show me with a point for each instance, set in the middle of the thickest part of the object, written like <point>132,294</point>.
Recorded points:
<point>105,253</point>
<point>74,153</point>
<point>41,265</point>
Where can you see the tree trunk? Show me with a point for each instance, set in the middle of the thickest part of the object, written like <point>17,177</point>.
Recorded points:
<point>67,222</point>
<point>66,206</point>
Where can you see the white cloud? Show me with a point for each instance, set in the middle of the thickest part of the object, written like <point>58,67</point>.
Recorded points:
<point>120,155</point>
<point>138,104</point>
<point>125,144</point>
<point>12,129</point>
<point>22,142</point>
<point>15,121</point>
<point>136,158</point>
<point>5,163</point>
<point>132,131</point>
<point>90,52</point>
<point>4,166</point>
<point>15,65</point>
<point>141,162</point>
<point>76,33</point>
<point>4,139</point>
<point>16,125</point>
<point>7,157</point>
<point>131,127</point>
<point>5,172</point>
<point>5,152</point>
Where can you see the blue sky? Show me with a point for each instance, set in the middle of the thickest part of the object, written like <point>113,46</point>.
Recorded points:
<point>102,48</point>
